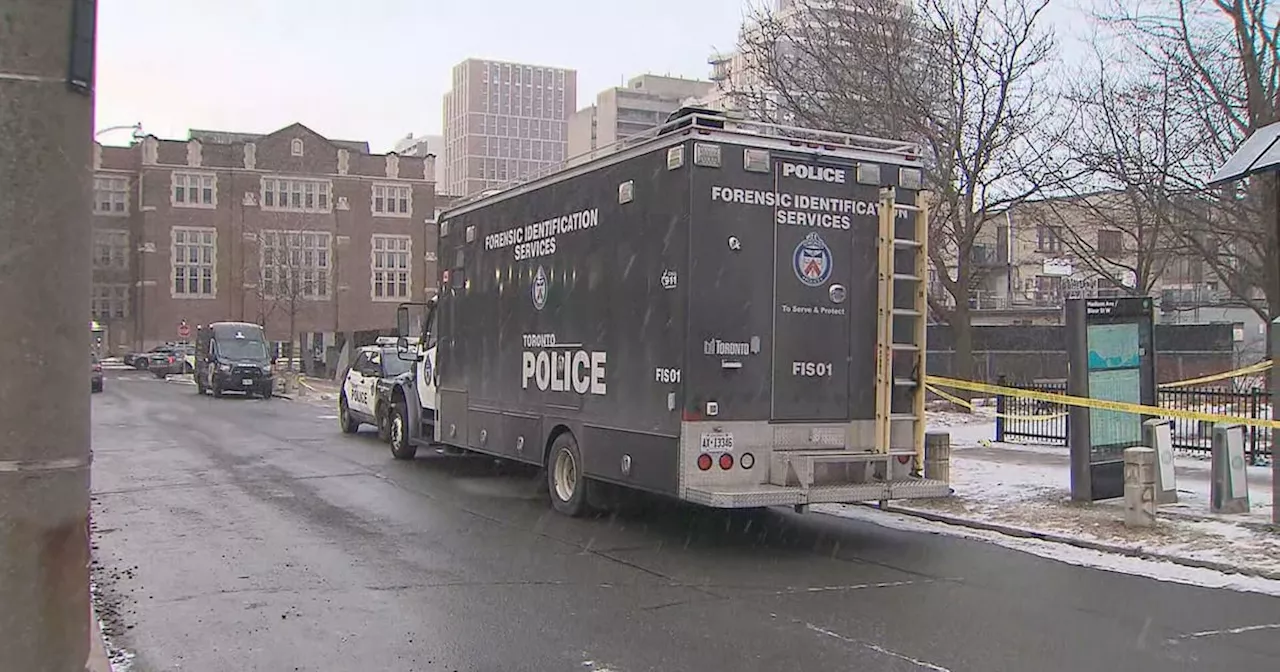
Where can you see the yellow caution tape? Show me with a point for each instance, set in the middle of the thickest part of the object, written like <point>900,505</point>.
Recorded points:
<point>1007,416</point>
<point>1103,404</point>
<point>1248,370</point>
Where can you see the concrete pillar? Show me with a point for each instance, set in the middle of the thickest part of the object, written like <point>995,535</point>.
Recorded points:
<point>46,159</point>
<point>1157,434</point>
<point>1139,487</point>
<point>1230,487</point>
<point>937,456</point>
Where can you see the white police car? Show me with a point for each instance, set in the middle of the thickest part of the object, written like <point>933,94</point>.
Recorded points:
<point>358,399</point>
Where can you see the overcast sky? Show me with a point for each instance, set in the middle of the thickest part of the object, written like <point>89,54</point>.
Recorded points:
<point>373,69</point>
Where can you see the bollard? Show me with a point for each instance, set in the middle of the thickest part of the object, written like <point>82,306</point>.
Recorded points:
<point>1139,487</point>
<point>937,456</point>
<point>1230,487</point>
<point>1157,434</point>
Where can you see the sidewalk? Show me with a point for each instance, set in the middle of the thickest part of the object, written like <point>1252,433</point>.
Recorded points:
<point>1024,491</point>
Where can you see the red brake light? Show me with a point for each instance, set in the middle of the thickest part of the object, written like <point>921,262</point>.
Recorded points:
<point>704,462</point>
<point>726,461</point>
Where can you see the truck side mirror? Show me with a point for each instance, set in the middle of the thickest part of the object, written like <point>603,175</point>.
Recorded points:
<point>402,323</point>
<point>402,344</point>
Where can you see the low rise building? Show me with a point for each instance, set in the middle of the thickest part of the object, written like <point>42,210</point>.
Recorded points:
<point>301,233</point>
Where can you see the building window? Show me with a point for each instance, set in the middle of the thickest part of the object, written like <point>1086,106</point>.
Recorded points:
<point>194,261</point>
<point>392,200</point>
<point>110,195</point>
<point>110,301</point>
<point>295,264</point>
<point>1110,243</point>
<point>295,147</point>
<point>110,249</point>
<point>1048,239</point>
<point>295,195</point>
<point>390,267</point>
<point>194,190</point>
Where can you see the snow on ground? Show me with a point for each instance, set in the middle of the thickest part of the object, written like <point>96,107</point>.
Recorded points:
<point>1154,569</point>
<point>1028,487</point>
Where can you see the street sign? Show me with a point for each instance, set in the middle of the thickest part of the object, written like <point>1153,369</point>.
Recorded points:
<point>183,330</point>
<point>1110,356</point>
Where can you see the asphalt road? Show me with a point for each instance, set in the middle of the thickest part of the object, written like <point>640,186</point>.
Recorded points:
<point>236,534</point>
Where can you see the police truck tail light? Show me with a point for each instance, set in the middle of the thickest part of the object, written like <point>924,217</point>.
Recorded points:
<point>747,461</point>
<point>726,461</point>
<point>704,462</point>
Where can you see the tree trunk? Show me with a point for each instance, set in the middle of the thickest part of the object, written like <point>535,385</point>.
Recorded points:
<point>962,339</point>
<point>293,325</point>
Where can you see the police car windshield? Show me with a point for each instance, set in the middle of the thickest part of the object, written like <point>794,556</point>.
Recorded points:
<point>236,348</point>
<point>392,364</point>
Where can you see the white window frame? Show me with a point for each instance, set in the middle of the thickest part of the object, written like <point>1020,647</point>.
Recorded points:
<point>295,191</point>
<point>388,272</point>
<point>112,190</point>
<point>397,195</point>
<point>268,240</point>
<point>199,184</point>
<point>109,238</point>
<point>183,261</point>
<point>107,298</point>
<point>296,147</point>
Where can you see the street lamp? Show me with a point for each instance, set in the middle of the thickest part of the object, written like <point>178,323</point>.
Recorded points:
<point>137,130</point>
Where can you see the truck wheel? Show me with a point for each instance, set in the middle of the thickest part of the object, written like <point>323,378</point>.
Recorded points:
<point>268,392</point>
<point>217,390</point>
<point>565,478</point>
<point>402,448</point>
<point>348,425</point>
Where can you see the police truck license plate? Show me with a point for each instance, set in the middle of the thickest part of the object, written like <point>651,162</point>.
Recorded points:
<point>246,381</point>
<point>716,441</point>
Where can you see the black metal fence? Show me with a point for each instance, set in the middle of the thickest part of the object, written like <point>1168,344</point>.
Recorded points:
<point>1022,420</point>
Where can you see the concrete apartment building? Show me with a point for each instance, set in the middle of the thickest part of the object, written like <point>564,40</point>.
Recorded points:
<point>1029,259</point>
<point>287,226</point>
<point>505,122</point>
<point>624,111</point>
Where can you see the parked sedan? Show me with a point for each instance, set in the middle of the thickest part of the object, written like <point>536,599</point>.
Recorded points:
<point>95,374</point>
<point>179,360</point>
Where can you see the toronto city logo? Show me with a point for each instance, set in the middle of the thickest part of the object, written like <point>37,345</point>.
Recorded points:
<point>540,289</point>
<point>812,260</point>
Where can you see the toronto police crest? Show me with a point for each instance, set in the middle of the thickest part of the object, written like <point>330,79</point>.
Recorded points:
<point>540,289</point>
<point>812,260</point>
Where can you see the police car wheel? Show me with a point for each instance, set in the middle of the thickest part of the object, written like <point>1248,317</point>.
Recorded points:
<point>565,479</point>
<point>348,425</point>
<point>398,434</point>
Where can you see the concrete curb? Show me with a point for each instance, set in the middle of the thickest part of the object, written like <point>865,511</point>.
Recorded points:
<point>1102,547</point>
<point>98,661</point>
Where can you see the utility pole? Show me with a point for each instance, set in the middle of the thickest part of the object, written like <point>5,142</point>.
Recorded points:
<point>46,144</point>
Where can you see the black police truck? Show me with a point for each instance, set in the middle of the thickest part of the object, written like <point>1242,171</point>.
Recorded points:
<point>727,312</point>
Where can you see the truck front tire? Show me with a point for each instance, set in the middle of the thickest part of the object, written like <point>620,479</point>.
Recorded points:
<point>566,481</point>
<point>402,446</point>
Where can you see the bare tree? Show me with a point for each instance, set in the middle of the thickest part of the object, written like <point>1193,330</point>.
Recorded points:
<point>965,79</point>
<point>1222,59</point>
<point>293,274</point>
<point>1115,211</point>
